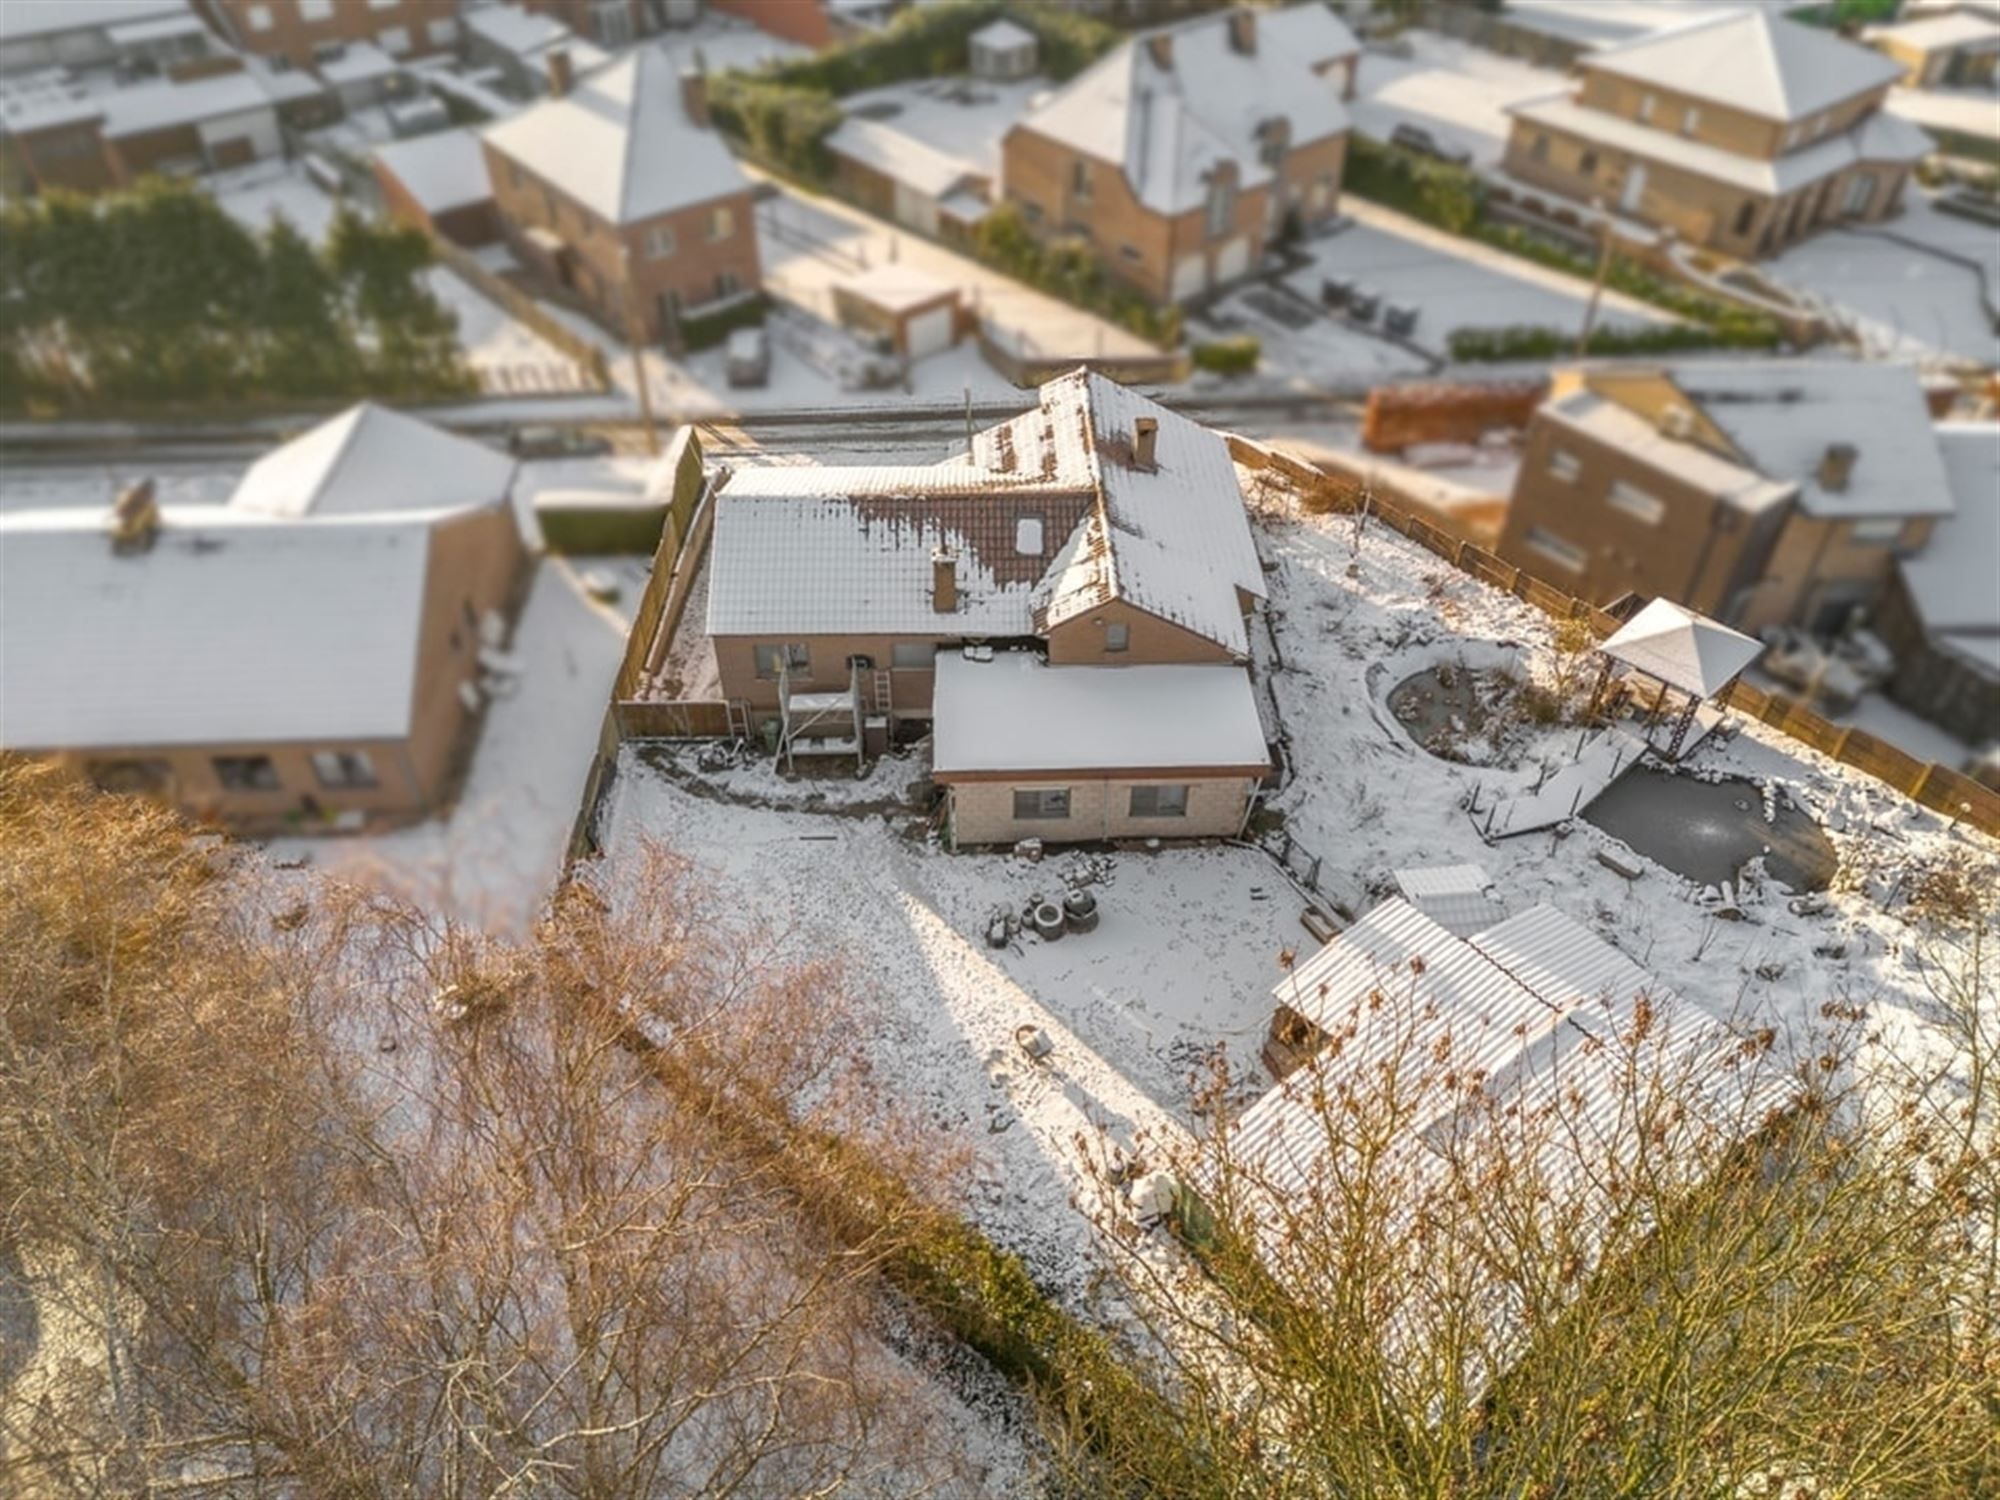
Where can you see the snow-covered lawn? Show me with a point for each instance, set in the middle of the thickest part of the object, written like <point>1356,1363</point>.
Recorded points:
<point>252,195</point>
<point>1301,351</point>
<point>493,858</point>
<point>1456,91</point>
<point>1180,969</point>
<point>508,356</point>
<point>1902,300</point>
<point>1452,282</point>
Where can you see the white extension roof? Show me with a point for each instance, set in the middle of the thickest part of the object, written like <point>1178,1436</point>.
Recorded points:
<point>359,62</point>
<point>815,550</point>
<point>896,286</point>
<point>1954,582</point>
<point>441,171</point>
<point>21,19</point>
<point>1683,649</point>
<point>1752,60</point>
<point>1948,32</point>
<point>232,629</point>
<point>161,106</point>
<point>1456,897</point>
<point>523,33</point>
<point>1783,414</point>
<point>1166,128</point>
<point>621,143</point>
<point>372,459</point>
<point>900,156</point>
<point>1014,714</point>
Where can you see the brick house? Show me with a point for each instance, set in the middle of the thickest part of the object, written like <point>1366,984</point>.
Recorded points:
<point>304,656</point>
<point>615,23</point>
<point>616,191</point>
<point>1758,492</point>
<point>1182,153</point>
<point>1741,131</point>
<point>305,32</point>
<point>438,183</point>
<point>1957,49</point>
<point>1063,610</point>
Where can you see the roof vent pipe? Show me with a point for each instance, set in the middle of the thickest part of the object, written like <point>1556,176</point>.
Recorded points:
<point>1145,442</point>
<point>1161,45</point>
<point>1836,467</point>
<point>135,518</point>
<point>1243,32</point>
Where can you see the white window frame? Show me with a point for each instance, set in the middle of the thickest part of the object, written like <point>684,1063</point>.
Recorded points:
<point>344,770</point>
<point>1564,465</point>
<point>1220,209</point>
<point>394,40</point>
<point>383,4</point>
<point>1041,804</point>
<point>1690,119</point>
<point>1117,637</point>
<point>797,658</point>
<point>1558,550</point>
<point>721,223</point>
<point>660,242</point>
<point>1646,102</point>
<point>443,31</point>
<point>1641,505</point>
<point>1875,531</point>
<point>259,18</point>
<point>250,773</point>
<point>312,11</point>
<point>1173,794</point>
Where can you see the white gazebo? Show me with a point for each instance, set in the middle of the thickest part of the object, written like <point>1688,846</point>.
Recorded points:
<point>1684,652</point>
<point>1002,50</point>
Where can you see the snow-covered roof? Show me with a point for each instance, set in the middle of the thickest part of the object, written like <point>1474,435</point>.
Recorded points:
<point>1783,414</point>
<point>1954,582</point>
<point>621,143</point>
<point>442,171</point>
<point>1003,35</point>
<point>1751,60</point>
<point>232,629</point>
<point>286,84</point>
<point>1015,714</point>
<point>900,156</point>
<point>1454,896</point>
<point>1585,411</point>
<point>819,550</point>
<point>1879,137</point>
<point>1167,128</point>
<point>1954,29</point>
<point>1681,648</point>
<point>359,62</point>
<point>157,29</point>
<point>161,106</point>
<point>896,286</point>
<point>372,459</point>
<point>27,18</point>
<point>514,30</point>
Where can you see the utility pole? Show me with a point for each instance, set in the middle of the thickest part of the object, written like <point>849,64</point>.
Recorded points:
<point>635,341</point>
<point>1597,285</point>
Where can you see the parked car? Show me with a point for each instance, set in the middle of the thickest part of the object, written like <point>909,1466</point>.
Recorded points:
<point>748,361</point>
<point>1416,138</point>
<point>556,442</point>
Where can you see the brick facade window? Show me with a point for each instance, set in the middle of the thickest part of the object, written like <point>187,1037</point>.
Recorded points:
<point>343,768</point>
<point>1159,802</point>
<point>247,773</point>
<point>1042,805</point>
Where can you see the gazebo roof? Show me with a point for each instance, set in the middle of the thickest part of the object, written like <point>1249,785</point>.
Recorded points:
<point>1682,649</point>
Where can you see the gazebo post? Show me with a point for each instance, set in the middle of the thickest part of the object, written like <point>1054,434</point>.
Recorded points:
<point>1597,693</point>
<point>1653,713</point>
<point>1681,724</point>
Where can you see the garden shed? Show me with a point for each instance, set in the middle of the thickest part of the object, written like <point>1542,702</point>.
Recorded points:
<point>1004,50</point>
<point>914,311</point>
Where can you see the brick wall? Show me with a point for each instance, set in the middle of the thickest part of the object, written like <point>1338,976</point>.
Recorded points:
<point>982,812</point>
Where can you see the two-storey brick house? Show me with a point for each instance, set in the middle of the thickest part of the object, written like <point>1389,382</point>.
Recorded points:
<point>617,191</point>
<point>1741,131</point>
<point>306,32</point>
<point>1183,152</point>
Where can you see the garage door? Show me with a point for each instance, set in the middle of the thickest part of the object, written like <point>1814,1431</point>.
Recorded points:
<point>1233,259</point>
<point>1190,276</point>
<point>916,210</point>
<point>929,332</point>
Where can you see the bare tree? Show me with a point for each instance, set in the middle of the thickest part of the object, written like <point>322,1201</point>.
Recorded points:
<point>315,1195</point>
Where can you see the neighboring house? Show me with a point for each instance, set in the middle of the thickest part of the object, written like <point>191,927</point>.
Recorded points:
<point>1758,492</point>
<point>40,34</point>
<point>438,183</point>
<point>616,190</point>
<point>305,32</point>
<point>1941,612</point>
<point>361,74</point>
<point>1741,131</point>
<point>55,137</point>
<point>1181,154</point>
<point>1063,609</point>
<point>613,23</point>
<point>894,175</point>
<point>914,312</point>
<point>518,42</point>
<point>1957,49</point>
<point>810,23</point>
<point>306,655</point>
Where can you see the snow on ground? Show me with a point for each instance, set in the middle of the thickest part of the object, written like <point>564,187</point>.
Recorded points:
<point>1902,300</point>
<point>506,354</point>
<point>1454,283</point>
<point>492,859</point>
<point>1886,719</point>
<point>1301,348</point>
<point>1456,91</point>
<point>1180,969</point>
<point>252,194</point>
<point>729,44</point>
<point>26,487</point>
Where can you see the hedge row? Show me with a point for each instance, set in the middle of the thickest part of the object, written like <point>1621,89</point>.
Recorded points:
<point>1528,342</point>
<point>1236,355</point>
<point>1070,268</point>
<point>706,332</point>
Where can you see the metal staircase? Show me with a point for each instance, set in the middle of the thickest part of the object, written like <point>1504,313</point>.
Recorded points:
<point>820,723</point>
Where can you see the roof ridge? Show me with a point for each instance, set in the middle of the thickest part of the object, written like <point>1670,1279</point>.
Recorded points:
<point>632,114</point>
<point>355,416</point>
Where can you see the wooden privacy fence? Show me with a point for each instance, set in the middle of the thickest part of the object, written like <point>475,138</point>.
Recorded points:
<point>526,311</point>
<point>1398,416</point>
<point>687,719</point>
<point>1940,788</point>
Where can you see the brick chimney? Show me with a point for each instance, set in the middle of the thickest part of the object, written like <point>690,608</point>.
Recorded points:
<point>1836,467</point>
<point>1243,31</point>
<point>694,91</point>
<point>1145,442</point>
<point>1161,45</point>
<point>135,518</point>
<point>944,580</point>
<point>562,72</point>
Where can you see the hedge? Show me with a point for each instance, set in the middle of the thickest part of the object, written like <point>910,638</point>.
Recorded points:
<point>603,530</point>
<point>1069,268</point>
<point>1236,355</point>
<point>930,41</point>
<point>1527,342</point>
<point>708,331</point>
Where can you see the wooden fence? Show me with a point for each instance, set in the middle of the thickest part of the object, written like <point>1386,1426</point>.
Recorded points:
<point>526,311</point>
<point>685,719</point>
<point>1938,787</point>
